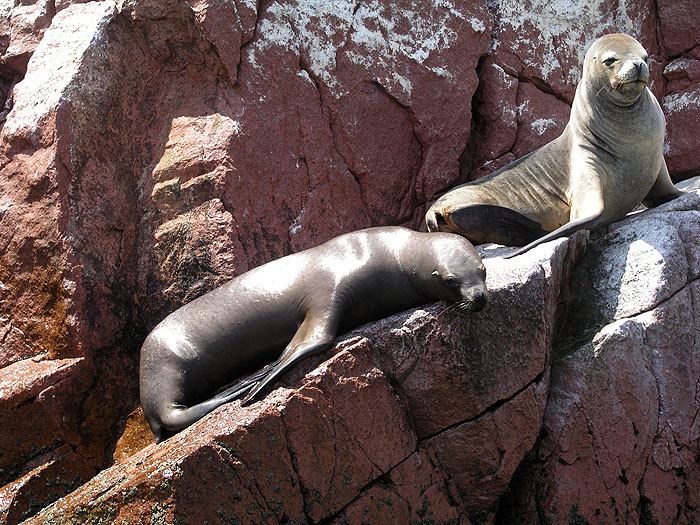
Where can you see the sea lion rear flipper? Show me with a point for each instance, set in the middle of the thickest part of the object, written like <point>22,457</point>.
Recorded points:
<point>483,223</point>
<point>290,356</point>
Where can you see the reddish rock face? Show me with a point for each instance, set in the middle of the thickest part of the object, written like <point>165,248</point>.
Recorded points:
<point>151,150</point>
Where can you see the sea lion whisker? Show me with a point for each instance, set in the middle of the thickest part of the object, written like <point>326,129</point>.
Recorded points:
<point>604,86</point>
<point>447,309</point>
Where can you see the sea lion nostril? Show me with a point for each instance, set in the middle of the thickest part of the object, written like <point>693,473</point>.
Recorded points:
<point>479,300</point>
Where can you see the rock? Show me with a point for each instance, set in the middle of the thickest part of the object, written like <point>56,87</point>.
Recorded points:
<point>682,110</point>
<point>58,473</point>
<point>37,410</point>
<point>414,492</point>
<point>620,437</point>
<point>541,119</point>
<point>155,149</point>
<point>678,21</point>
<point>496,112</point>
<point>539,37</point>
<point>26,23</point>
<point>150,150</point>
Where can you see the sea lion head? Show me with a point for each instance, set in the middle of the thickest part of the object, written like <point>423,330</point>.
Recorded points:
<point>616,67</point>
<point>458,275</point>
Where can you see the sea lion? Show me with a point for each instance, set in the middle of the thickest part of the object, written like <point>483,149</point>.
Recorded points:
<point>302,301</point>
<point>608,160</point>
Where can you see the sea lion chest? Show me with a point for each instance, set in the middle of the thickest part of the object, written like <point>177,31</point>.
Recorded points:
<point>625,146</point>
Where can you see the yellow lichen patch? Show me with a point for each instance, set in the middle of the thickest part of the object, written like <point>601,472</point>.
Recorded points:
<point>135,437</point>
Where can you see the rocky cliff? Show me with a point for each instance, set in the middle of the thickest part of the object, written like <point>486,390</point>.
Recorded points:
<point>152,149</point>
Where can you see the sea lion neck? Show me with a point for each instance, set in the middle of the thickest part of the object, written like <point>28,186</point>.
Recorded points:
<point>604,121</point>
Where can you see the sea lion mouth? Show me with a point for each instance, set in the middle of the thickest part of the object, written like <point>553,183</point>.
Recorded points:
<point>472,304</point>
<point>633,73</point>
<point>466,306</point>
<point>619,84</point>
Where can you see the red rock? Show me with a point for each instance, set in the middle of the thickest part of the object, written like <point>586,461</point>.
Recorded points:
<point>480,456</point>
<point>59,472</point>
<point>155,149</point>
<point>539,35</point>
<point>496,114</point>
<point>678,23</point>
<point>682,110</point>
<point>370,161</point>
<point>414,491</point>
<point>541,119</point>
<point>37,409</point>
<point>262,462</point>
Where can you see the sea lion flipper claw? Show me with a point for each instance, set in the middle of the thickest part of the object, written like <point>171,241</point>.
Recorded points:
<point>239,388</point>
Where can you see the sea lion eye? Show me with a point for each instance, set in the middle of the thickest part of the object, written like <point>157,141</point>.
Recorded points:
<point>609,61</point>
<point>451,281</point>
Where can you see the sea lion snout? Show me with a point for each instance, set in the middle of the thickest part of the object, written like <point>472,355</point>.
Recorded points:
<point>474,298</point>
<point>633,70</point>
<point>478,300</point>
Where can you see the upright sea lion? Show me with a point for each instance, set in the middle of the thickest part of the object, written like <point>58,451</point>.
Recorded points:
<point>308,298</point>
<point>608,160</point>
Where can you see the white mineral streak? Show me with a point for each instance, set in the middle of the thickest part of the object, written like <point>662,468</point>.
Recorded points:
<point>541,125</point>
<point>316,28</point>
<point>681,101</point>
<point>384,37</point>
<point>562,28</point>
<point>6,8</point>
<point>73,32</point>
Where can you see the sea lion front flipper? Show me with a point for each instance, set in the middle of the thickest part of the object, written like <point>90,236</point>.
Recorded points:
<point>585,223</point>
<point>483,223</point>
<point>587,208</point>
<point>290,356</point>
<point>315,334</point>
<point>663,189</point>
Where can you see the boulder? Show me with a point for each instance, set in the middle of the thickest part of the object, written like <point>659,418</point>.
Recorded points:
<point>620,435</point>
<point>152,150</point>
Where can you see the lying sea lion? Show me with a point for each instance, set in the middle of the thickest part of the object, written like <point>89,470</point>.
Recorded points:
<point>308,298</point>
<point>608,160</point>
